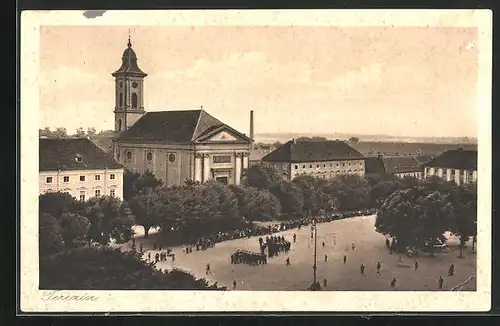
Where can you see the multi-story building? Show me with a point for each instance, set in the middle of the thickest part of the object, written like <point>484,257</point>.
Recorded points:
<point>78,167</point>
<point>175,146</point>
<point>456,165</point>
<point>318,158</point>
<point>399,166</point>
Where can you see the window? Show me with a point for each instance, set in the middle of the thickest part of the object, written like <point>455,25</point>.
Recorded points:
<point>171,158</point>
<point>82,178</point>
<point>66,179</point>
<point>119,125</point>
<point>223,159</point>
<point>349,163</point>
<point>112,192</point>
<point>134,100</point>
<point>149,156</point>
<point>296,167</point>
<point>317,166</point>
<point>324,165</point>
<point>112,176</point>
<point>97,193</point>
<point>310,166</point>
<point>82,195</point>
<point>331,164</point>
<point>343,164</point>
<point>121,99</point>
<point>48,179</point>
<point>304,166</point>
<point>97,177</point>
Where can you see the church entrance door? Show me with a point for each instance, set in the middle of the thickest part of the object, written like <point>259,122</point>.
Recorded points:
<point>223,180</point>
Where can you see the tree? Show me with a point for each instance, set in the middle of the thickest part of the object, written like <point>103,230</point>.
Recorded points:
<point>80,132</point>
<point>354,139</point>
<point>108,220</point>
<point>60,133</point>
<point>57,203</point>
<point>290,198</point>
<point>73,229</point>
<point>382,190</point>
<point>262,177</point>
<point>398,217</point>
<point>462,213</point>
<point>134,183</point>
<point>256,204</point>
<point>110,269</point>
<point>432,218</point>
<point>91,131</point>
<point>49,237</point>
<point>146,208</point>
<point>307,185</point>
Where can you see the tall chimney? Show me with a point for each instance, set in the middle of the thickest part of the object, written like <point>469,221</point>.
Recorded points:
<point>251,124</point>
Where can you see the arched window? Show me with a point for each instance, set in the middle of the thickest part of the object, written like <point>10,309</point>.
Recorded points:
<point>134,100</point>
<point>119,124</point>
<point>121,99</point>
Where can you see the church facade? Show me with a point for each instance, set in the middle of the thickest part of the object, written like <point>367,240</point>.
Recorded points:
<point>176,146</point>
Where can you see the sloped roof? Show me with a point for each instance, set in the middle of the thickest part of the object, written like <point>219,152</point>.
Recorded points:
<point>456,159</point>
<point>313,151</point>
<point>374,165</point>
<point>73,154</point>
<point>401,164</point>
<point>174,126</point>
<point>422,159</point>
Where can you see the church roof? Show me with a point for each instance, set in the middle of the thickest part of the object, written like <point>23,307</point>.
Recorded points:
<point>73,154</point>
<point>174,126</point>
<point>129,63</point>
<point>313,151</point>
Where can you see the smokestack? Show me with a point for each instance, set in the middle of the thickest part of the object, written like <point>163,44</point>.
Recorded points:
<point>251,124</point>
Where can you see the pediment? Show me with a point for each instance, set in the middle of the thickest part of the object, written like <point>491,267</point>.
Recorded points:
<point>222,134</point>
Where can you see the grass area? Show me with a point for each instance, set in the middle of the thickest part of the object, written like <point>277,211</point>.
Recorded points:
<point>369,249</point>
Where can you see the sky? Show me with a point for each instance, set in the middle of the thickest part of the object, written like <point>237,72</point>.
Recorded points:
<point>398,81</point>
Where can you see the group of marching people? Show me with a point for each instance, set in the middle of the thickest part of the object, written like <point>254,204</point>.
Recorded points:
<point>274,245</point>
<point>248,257</point>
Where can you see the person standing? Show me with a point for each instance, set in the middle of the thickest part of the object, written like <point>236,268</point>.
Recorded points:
<point>441,281</point>
<point>451,270</point>
<point>387,243</point>
<point>416,264</point>
<point>149,256</point>
<point>294,237</point>
<point>207,269</point>
<point>288,261</point>
<point>334,240</point>
<point>323,244</point>
<point>393,283</point>
<point>345,259</point>
<point>378,267</point>
<point>234,284</point>
<point>326,258</point>
<point>324,283</point>
<point>353,246</point>
<point>362,269</point>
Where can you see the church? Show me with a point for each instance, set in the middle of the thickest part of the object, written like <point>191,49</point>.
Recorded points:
<point>176,146</point>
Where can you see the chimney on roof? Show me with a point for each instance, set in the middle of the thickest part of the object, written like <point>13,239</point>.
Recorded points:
<point>380,156</point>
<point>251,124</point>
<point>294,140</point>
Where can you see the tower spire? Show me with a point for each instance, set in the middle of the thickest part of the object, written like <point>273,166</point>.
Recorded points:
<point>129,44</point>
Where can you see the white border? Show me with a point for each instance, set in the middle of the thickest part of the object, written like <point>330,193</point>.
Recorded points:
<point>163,301</point>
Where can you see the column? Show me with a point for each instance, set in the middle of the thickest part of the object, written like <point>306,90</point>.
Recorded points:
<point>474,176</point>
<point>246,157</point>
<point>448,175</point>
<point>206,167</point>
<point>237,169</point>
<point>457,176</point>
<point>198,172</point>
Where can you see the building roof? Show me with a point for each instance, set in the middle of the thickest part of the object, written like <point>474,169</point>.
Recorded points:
<point>374,165</point>
<point>401,164</point>
<point>73,154</point>
<point>129,63</point>
<point>456,159</point>
<point>313,151</point>
<point>175,126</point>
<point>422,159</point>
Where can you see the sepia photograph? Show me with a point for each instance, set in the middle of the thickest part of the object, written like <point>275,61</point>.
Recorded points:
<point>256,160</point>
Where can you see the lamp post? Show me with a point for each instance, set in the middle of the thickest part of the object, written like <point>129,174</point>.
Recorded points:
<point>314,286</point>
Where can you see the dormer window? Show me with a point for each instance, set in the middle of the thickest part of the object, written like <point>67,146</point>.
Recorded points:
<point>78,158</point>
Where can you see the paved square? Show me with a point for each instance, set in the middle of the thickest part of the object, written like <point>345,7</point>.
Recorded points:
<point>369,249</point>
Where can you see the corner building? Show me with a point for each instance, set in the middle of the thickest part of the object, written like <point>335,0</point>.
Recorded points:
<point>174,145</point>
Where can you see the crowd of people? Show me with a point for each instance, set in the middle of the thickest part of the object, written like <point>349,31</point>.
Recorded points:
<point>274,245</point>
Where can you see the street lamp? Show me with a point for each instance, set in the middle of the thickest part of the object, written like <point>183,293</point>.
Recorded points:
<point>315,286</point>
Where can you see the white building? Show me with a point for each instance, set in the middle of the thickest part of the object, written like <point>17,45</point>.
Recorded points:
<point>318,158</point>
<point>78,167</point>
<point>398,166</point>
<point>456,165</point>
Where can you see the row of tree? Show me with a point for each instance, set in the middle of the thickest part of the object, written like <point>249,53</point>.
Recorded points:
<point>416,215</point>
<point>63,133</point>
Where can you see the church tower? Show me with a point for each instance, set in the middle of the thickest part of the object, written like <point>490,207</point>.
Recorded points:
<point>129,91</point>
